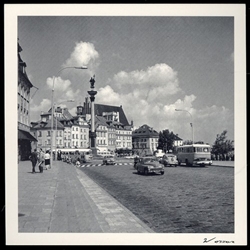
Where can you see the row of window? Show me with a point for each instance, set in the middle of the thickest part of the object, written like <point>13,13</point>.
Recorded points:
<point>76,129</point>
<point>60,143</point>
<point>193,149</point>
<point>146,139</point>
<point>124,144</point>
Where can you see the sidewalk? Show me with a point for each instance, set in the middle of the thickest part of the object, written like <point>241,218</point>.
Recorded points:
<point>223,163</point>
<point>64,199</point>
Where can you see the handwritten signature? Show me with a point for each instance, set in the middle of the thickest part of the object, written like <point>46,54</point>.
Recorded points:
<point>205,240</point>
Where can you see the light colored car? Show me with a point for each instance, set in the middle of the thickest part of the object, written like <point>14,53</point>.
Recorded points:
<point>131,156</point>
<point>169,160</point>
<point>148,165</point>
<point>108,160</point>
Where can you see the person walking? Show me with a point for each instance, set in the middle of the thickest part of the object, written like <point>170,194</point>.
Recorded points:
<point>33,158</point>
<point>47,160</point>
<point>41,160</point>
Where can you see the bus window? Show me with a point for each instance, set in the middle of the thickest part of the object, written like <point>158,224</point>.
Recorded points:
<point>205,149</point>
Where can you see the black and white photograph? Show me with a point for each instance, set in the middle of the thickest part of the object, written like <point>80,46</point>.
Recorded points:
<point>127,123</point>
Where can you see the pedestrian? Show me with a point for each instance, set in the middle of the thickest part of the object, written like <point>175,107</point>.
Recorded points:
<point>41,160</point>
<point>47,160</point>
<point>33,158</point>
<point>78,164</point>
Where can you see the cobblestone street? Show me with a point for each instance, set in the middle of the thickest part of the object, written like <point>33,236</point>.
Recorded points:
<point>183,200</point>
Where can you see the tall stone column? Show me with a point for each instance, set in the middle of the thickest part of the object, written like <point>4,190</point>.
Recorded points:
<point>92,135</point>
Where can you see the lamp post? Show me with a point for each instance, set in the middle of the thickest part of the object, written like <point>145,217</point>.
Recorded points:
<point>52,111</point>
<point>191,124</point>
<point>56,120</point>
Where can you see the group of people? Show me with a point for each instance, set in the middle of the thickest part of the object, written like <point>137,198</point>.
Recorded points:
<point>40,159</point>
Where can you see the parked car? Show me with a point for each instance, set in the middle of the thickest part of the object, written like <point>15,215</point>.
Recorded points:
<point>148,165</point>
<point>108,160</point>
<point>169,160</point>
<point>131,156</point>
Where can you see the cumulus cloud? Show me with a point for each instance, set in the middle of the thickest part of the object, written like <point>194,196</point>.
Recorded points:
<point>44,105</point>
<point>59,84</point>
<point>108,96</point>
<point>84,54</point>
<point>140,107</point>
<point>155,82</point>
<point>63,89</point>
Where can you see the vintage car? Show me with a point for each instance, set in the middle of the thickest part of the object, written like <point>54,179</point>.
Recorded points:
<point>169,160</point>
<point>148,165</point>
<point>108,160</point>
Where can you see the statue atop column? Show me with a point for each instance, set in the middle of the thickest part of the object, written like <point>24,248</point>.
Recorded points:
<point>92,82</point>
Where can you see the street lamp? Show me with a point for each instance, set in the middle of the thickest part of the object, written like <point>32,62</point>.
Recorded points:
<point>191,124</point>
<point>52,111</point>
<point>57,117</point>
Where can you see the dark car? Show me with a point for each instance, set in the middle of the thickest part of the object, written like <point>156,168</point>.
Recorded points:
<point>148,165</point>
<point>108,160</point>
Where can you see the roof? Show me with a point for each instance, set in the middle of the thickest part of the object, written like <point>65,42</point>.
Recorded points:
<point>145,131</point>
<point>100,108</point>
<point>194,145</point>
<point>47,125</point>
<point>67,114</point>
<point>177,138</point>
<point>99,120</point>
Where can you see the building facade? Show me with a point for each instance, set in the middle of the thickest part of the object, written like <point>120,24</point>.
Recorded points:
<point>177,141</point>
<point>26,140</point>
<point>145,140</point>
<point>112,128</point>
<point>69,131</point>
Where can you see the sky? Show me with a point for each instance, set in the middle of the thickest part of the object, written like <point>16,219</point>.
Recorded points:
<point>151,65</point>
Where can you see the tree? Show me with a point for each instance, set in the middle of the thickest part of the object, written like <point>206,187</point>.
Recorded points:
<point>221,145</point>
<point>166,140</point>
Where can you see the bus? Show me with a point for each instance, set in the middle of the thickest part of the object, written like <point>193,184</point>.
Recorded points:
<point>195,154</point>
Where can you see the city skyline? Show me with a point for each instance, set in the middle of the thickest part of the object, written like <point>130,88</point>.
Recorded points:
<point>149,65</point>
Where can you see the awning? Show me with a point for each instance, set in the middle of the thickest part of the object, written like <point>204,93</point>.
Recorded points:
<point>24,135</point>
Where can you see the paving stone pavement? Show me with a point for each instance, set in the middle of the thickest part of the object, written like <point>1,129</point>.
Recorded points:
<point>64,199</point>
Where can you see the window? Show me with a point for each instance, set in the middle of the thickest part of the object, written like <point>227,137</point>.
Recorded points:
<point>48,133</point>
<point>39,133</point>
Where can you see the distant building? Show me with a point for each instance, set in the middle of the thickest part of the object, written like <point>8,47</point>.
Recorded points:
<point>177,141</point>
<point>42,130</point>
<point>112,128</point>
<point>101,128</point>
<point>145,140</point>
<point>25,138</point>
<point>69,131</point>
